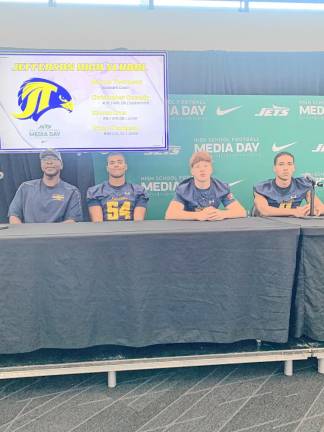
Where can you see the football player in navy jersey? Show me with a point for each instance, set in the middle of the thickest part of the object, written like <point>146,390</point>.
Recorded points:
<point>199,197</point>
<point>285,195</point>
<point>116,200</point>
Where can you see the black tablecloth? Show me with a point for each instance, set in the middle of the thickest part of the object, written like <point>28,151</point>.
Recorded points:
<point>308,304</point>
<point>144,283</point>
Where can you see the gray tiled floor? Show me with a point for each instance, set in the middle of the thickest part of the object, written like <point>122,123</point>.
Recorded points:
<point>253,398</point>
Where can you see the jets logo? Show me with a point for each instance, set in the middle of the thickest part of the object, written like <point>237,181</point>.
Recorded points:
<point>37,96</point>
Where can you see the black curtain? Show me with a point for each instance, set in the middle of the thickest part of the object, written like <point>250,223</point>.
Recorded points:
<point>218,72</point>
<point>203,72</point>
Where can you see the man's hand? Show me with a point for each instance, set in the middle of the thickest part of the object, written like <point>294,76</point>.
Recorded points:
<point>318,210</point>
<point>210,214</point>
<point>301,211</point>
<point>14,220</point>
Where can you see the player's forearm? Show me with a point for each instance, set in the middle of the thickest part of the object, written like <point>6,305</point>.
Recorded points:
<point>319,206</point>
<point>234,213</point>
<point>96,218</point>
<point>321,210</point>
<point>96,214</point>
<point>139,213</point>
<point>14,220</point>
<point>275,211</point>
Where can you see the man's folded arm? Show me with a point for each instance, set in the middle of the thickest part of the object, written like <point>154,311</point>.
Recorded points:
<point>263,208</point>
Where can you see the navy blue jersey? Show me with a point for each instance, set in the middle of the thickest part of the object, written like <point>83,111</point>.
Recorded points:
<point>195,199</point>
<point>117,202</point>
<point>35,202</point>
<point>290,197</point>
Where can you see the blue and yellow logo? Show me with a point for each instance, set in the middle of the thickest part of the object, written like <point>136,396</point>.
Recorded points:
<point>37,96</point>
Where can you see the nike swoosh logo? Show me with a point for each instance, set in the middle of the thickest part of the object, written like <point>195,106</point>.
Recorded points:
<point>221,112</point>
<point>276,148</point>
<point>234,183</point>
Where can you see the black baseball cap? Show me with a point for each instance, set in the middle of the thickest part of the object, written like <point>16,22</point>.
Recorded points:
<point>50,153</point>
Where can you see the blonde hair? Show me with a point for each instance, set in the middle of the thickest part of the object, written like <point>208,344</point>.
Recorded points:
<point>200,156</point>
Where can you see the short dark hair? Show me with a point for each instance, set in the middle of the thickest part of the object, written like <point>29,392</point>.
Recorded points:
<point>282,154</point>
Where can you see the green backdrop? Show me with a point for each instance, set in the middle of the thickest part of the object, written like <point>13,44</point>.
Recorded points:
<point>242,133</point>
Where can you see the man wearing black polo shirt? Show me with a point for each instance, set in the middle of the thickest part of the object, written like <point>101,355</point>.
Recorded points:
<point>48,199</point>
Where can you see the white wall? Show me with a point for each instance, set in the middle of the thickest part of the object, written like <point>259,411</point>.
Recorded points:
<point>170,29</point>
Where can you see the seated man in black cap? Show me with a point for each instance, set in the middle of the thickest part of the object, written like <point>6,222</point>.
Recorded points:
<point>48,199</point>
